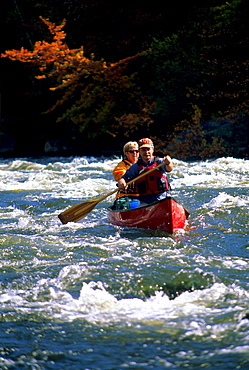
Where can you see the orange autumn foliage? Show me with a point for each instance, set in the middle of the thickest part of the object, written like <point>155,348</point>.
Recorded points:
<point>56,54</point>
<point>87,84</point>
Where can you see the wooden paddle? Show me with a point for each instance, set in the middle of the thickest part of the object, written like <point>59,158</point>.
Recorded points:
<point>77,212</point>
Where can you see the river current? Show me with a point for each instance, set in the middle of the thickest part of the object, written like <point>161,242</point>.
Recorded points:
<point>93,296</point>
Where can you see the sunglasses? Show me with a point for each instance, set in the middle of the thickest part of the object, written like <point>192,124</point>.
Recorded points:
<point>133,151</point>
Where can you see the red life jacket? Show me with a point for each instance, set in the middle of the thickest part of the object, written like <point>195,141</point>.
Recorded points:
<point>155,182</point>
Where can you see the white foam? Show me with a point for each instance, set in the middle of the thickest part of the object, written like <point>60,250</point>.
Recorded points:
<point>224,200</point>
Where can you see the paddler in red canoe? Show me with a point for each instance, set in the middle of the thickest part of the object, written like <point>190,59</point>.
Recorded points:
<point>155,186</point>
<point>131,154</point>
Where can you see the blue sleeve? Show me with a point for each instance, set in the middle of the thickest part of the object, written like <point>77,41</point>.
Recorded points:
<point>131,173</point>
<point>163,167</point>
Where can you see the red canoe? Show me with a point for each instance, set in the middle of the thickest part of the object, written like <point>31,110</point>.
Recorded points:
<point>167,215</point>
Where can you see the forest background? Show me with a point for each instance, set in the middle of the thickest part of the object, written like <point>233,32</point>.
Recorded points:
<point>82,77</point>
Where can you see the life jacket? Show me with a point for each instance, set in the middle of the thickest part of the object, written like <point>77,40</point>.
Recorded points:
<point>118,172</point>
<point>120,169</point>
<point>155,182</point>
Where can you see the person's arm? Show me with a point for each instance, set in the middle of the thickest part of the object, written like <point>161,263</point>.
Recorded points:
<point>122,184</point>
<point>169,165</point>
<point>130,174</point>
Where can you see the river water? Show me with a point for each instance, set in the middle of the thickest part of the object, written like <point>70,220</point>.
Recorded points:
<point>89,295</point>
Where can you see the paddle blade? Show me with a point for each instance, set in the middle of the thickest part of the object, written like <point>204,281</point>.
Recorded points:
<point>77,212</point>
